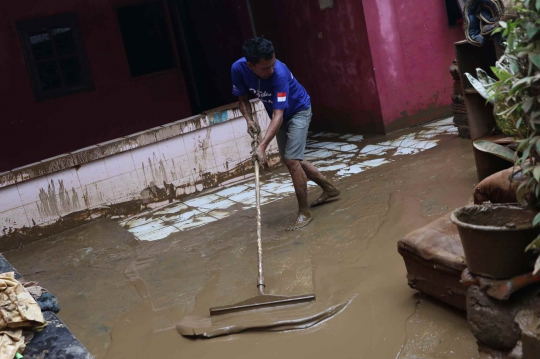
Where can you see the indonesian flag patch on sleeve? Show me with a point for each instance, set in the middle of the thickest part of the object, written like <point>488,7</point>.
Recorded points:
<point>281,97</point>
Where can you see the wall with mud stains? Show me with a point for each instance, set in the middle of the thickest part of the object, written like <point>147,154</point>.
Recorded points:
<point>412,47</point>
<point>125,176</point>
<point>329,53</point>
<point>118,105</point>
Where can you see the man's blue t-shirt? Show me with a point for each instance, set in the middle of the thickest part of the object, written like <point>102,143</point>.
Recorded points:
<point>281,91</point>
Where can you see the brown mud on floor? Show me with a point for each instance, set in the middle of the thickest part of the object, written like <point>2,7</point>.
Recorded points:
<point>122,298</point>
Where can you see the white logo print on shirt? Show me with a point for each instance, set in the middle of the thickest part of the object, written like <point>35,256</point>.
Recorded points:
<point>261,94</point>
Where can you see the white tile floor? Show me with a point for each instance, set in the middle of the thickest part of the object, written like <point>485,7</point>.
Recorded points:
<point>343,157</point>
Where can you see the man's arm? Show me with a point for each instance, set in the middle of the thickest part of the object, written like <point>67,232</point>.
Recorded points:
<point>246,110</point>
<point>273,128</point>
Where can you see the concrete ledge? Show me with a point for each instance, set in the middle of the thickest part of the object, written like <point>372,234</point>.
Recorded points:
<point>124,176</point>
<point>122,144</point>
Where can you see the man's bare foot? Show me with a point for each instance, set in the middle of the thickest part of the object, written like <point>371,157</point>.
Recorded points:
<point>331,192</point>
<point>303,219</point>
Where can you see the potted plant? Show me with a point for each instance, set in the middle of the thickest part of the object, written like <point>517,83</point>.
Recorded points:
<point>499,241</point>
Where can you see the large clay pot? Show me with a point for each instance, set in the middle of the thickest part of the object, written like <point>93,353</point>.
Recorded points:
<point>494,239</point>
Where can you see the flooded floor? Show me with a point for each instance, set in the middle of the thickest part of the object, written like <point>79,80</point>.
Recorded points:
<point>124,285</point>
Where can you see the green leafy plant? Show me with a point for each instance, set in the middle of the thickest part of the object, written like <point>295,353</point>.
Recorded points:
<point>516,95</point>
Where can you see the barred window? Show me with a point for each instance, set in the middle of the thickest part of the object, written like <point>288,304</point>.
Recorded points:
<point>55,56</point>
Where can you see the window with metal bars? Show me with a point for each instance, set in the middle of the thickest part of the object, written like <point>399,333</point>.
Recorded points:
<point>54,52</point>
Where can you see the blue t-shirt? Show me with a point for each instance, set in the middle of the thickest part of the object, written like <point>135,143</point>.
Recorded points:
<point>281,91</point>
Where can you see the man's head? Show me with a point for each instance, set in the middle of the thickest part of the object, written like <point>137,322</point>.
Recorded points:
<point>260,56</point>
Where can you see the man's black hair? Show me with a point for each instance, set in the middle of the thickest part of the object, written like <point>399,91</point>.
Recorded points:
<point>258,48</point>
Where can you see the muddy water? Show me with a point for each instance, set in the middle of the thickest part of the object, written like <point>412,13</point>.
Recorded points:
<point>505,217</point>
<point>123,298</point>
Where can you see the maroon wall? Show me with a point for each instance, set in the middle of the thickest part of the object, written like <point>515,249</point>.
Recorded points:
<point>412,48</point>
<point>328,51</point>
<point>119,105</point>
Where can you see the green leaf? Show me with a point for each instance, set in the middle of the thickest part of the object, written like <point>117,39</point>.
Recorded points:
<point>525,48</point>
<point>527,105</point>
<point>495,70</point>
<point>521,192</point>
<point>522,144</point>
<point>535,244</point>
<point>531,29</point>
<point>534,57</point>
<point>507,112</point>
<point>537,266</point>
<point>537,5</point>
<point>510,40</point>
<point>536,173</point>
<point>503,24</point>
<point>505,75</point>
<point>521,83</point>
<point>514,67</point>
<point>536,220</point>
<point>495,149</point>
<point>526,154</point>
<point>538,147</point>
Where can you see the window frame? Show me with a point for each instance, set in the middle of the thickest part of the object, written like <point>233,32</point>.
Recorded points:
<point>26,27</point>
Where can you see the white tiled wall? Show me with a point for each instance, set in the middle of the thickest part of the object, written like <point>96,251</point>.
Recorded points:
<point>12,213</point>
<point>202,146</point>
<point>226,156</point>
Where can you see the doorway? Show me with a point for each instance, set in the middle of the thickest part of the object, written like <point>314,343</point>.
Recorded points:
<point>209,37</point>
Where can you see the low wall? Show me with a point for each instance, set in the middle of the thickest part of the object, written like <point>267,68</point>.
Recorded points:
<point>124,176</point>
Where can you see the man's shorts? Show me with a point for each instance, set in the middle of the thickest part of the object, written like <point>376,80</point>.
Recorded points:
<point>292,135</point>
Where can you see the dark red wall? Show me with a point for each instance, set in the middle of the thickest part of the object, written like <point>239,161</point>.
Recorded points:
<point>119,105</point>
<point>329,53</point>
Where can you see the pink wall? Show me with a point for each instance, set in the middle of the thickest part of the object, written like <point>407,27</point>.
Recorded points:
<point>337,69</point>
<point>118,106</point>
<point>412,48</point>
<point>381,65</point>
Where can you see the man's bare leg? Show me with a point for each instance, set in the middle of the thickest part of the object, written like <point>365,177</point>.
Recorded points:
<point>299,179</point>
<point>329,190</point>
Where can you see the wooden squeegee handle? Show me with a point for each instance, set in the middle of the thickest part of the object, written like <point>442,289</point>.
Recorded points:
<point>260,281</point>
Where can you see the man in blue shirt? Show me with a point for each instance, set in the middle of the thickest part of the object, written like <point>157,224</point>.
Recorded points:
<point>289,107</point>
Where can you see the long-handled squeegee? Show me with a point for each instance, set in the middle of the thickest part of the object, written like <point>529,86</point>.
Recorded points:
<point>261,300</point>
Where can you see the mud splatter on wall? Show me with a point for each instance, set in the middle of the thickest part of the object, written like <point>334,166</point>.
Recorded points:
<point>157,171</point>
<point>52,204</point>
<point>206,151</point>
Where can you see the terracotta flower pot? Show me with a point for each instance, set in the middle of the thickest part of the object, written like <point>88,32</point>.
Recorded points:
<point>494,239</point>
